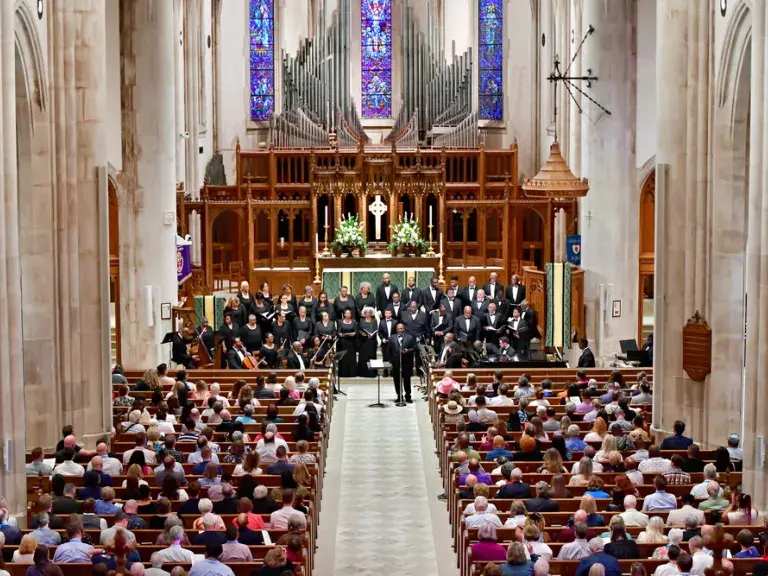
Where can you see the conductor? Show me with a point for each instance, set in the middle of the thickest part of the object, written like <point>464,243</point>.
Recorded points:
<point>401,356</point>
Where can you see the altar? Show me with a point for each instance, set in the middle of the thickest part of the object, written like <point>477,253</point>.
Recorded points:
<point>350,272</point>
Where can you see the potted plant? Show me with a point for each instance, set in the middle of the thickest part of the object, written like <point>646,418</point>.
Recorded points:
<point>406,238</point>
<point>348,237</point>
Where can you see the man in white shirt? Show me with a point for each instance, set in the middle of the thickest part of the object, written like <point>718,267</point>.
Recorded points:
<point>579,548</point>
<point>630,515</point>
<point>485,415</point>
<point>175,553</point>
<point>701,560</point>
<point>679,516</point>
<point>502,399</point>
<point>121,523</point>
<point>141,445</point>
<point>132,425</point>
<point>655,464</point>
<point>710,475</point>
<point>481,515</point>
<point>548,418</point>
<point>109,465</point>
<point>204,454</point>
<point>216,393</point>
<point>670,568</point>
<point>278,520</point>
<point>162,374</point>
<point>69,467</point>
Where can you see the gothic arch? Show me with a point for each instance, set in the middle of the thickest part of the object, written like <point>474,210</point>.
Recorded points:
<point>37,230</point>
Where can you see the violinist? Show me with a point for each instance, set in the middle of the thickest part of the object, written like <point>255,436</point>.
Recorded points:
<point>179,352</point>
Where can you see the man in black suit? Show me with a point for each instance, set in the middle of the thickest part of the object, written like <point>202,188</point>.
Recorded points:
<point>432,297</point>
<point>493,289</point>
<point>384,292</point>
<point>295,357</point>
<point>469,292</point>
<point>492,322</point>
<point>518,331</point>
<point>453,284</point>
<point>440,323</point>
<point>67,503</point>
<point>415,322</point>
<point>515,488</point>
<point>504,351</point>
<point>480,304</point>
<point>542,502</point>
<point>236,355</point>
<point>466,327</point>
<point>527,314</point>
<point>397,307</point>
<point>445,351</point>
<point>205,333</point>
<point>401,348</point>
<point>179,352</point>
<point>587,358</point>
<point>453,305</point>
<point>412,293</point>
<point>386,330</point>
<point>515,291</point>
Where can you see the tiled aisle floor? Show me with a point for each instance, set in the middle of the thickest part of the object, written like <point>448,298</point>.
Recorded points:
<point>381,487</point>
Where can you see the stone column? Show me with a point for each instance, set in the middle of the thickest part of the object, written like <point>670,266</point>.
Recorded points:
<point>683,47</point>
<point>149,162</point>
<point>574,149</point>
<point>609,213</point>
<point>756,396</point>
<point>77,48</point>
<point>12,414</point>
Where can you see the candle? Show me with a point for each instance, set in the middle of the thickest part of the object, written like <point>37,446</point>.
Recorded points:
<point>326,215</point>
<point>430,215</point>
<point>317,243</point>
<point>441,242</point>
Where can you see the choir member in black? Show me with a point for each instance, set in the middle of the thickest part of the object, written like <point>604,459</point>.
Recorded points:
<point>246,298</point>
<point>515,291</point>
<point>205,334</point>
<point>386,330</point>
<point>365,299</point>
<point>347,330</point>
<point>397,307</point>
<point>268,352</point>
<point>432,296</point>
<point>309,302</point>
<point>227,334</point>
<point>303,327</point>
<point>469,292</point>
<point>282,330</point>
<point>237,311</point>
<point>326,329</point>
<point>266,294</point>
<point>480,305</point>
<point>401,347</point>
<point>366,349</point>
<point>416,325</point>
<point>323,305</point>
<point>493,289</point>
<point>466,327</point>
<point>453,284</point>
<point>440,323</point>
<point>453,305</point>
<point>285,307</point>
<point>263,310</point>
<point>411,293</point>
<point>384,293</point>
<point>179,352</point>
<point>250,335</point>
<point>492,325</point>
<point>288,291</point>
<point>343,303</point>
<point>518,331</point>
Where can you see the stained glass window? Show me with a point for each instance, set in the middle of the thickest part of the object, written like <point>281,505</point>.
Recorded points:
<point>262,50</point>
<point>376,62</point>
<point>491,48</point>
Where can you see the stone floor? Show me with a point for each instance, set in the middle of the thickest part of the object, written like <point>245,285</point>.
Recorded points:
<point>380,514</point>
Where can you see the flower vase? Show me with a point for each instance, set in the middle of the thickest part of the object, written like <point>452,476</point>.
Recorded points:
<point>361,251</point>
<point>393,251</point>
<point>349,250</point>
<point>417,250</point>
<point>337,251</point>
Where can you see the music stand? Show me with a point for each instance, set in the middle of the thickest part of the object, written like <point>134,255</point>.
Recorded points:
<point>379,366</point>
<point>336,358</point>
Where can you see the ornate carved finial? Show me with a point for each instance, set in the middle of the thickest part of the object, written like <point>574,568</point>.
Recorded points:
<point>237,145</point>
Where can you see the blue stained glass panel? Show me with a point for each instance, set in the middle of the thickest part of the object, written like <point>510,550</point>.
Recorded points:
<point>376,58</point>
<point>262,58</point>
<point>491,48</point>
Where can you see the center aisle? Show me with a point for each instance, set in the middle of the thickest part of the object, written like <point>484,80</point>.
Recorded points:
<point>379,501</point>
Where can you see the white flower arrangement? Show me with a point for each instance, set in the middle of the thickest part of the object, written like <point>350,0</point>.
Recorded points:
<point>349,234</point>
<point>406,233</point>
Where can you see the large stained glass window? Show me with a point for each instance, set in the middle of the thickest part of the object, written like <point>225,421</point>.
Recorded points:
<point>376,62</point>
<point>262,47</point>
<point>491,47</point>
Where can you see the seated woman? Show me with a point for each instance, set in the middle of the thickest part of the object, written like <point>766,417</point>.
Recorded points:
<point>518,563</point>
<point>584,475</point>
<point>210,476</point>
<point>653,533</point>
<point>589,506</point>
<point>163,511</point>
<point>621,546</point>
<point>205,506</point>
<point>488,548</point>
<point>553,463</point>
<point>595,488</point>
<point>249,466</point>
<point>276,563</point>
<point>105,504</point>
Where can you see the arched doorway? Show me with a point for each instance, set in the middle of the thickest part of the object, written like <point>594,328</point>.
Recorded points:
<point>114,275</point>
<point>647,258</point>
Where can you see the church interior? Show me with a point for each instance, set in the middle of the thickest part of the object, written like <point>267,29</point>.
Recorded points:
<point>212,205</point>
